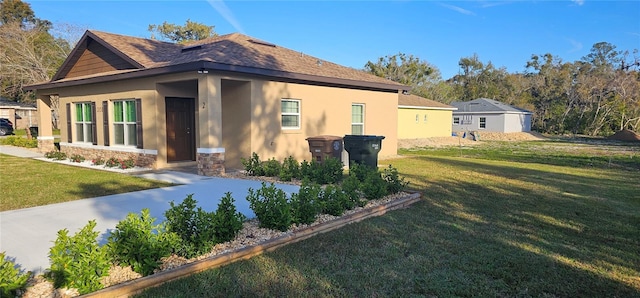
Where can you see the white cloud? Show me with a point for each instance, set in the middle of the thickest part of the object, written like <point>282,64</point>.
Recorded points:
<point>226,13</point>
<point>579,2</point>
<point>458,9</point>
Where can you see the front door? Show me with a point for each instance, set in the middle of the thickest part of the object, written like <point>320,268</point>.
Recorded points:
<point>181,139</point>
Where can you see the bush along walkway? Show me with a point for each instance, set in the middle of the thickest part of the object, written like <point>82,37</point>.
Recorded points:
<point>192,240</point>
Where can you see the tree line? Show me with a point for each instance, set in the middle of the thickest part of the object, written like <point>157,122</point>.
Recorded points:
<point>597,95</point>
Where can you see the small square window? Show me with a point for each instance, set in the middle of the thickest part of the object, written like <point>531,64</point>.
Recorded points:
<point>290,109</point>
<point>456,120</point>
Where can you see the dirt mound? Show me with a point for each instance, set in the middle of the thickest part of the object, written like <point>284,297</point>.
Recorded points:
<point>458,140</point>
<point>510,136</point>
<point>625,135</point>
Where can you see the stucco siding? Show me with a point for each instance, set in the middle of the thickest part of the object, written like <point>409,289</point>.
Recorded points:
<point>423,123</point>
<point>323,111</point>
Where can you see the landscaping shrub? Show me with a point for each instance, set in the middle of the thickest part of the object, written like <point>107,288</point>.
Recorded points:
<point>56,155</point>
<point>374,187</point>
<point>271,207</point>
<point>395,183</point>
<point>359,171</point>
<point>305,204</point>
<point>227,220</point>
<point>351,188</point>
<point>76,158</point>
<point>290,169</point>
<point>322,173</point>
<point>193,225</point>
<point>78,261</point>
<point>98,161</point>
<point>12,281</point>
<point>271,168</point>
<point>253,166</point>
<point>19,141</point>
<point>127,163</point>
<point>334,200</point>
<point>138,243</point>
<point>112,162</point>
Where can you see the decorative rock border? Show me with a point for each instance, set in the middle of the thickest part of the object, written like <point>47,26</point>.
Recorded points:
<point>135,286</point>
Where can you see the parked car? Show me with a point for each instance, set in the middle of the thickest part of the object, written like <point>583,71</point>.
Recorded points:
<point>6,127</point>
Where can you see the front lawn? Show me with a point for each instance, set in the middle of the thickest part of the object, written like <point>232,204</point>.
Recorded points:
<point>28,183</point>
<point>489,225</point>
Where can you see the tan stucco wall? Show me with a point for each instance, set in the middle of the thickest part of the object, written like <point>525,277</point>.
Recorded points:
<point>437,124</point>
<point>245,110</point>
<point>324,111</point>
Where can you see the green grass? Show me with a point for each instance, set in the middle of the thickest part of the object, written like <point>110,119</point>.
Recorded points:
<point>28,183</point>
<point>487,226</point>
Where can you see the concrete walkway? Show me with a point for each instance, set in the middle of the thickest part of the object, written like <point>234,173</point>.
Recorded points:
<point>26,235</point>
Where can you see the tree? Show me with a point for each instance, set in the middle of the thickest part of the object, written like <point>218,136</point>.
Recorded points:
<point>191,31</point>
<point>407,70</point>
<point>28,52</point>
<point>12,11</point>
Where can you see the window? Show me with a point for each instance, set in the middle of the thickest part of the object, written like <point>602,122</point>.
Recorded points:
<point>124,123</point>
<point>290,109</point>
<point>456,120</point>
<point>425,119</point>
<point>357,119</point>
<point>84,122</point>
<point>483,122</point>
<point>417,118</point>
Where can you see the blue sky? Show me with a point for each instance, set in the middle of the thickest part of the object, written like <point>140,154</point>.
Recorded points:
<point>351,33</point>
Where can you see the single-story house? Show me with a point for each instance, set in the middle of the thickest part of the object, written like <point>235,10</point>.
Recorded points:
<point>22,115</point>
<point>419,117</point>
<point>208,103</point>
<point>485,114</point>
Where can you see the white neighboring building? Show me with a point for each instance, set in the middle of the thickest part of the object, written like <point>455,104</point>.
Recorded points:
<point>484,114</point>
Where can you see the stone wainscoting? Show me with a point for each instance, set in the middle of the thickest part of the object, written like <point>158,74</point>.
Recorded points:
<point>210,164</point>
<point>142,158</point>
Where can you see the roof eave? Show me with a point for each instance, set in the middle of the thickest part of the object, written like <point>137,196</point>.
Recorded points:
<point>201,65</point>
<point>426,108</point>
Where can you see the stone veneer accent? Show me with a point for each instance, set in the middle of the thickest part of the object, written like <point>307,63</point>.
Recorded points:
<point>46,144</point>
<point>210,164</point>
<point>141,159</point>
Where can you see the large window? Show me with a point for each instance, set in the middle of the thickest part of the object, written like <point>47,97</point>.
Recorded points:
<point>483,122</point>
<point>124,122</point>
<point>357,119</point>
<point>290,109</point>
<point>84,122</point>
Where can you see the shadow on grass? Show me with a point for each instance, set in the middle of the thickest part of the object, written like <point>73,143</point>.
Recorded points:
<point>503,233</point>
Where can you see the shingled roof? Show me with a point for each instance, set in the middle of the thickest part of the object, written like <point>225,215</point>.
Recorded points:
<point>418,102</point>
<point>227,53</point>
<point>485,105</point>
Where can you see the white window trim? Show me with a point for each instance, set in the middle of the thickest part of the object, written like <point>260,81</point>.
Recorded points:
<point>124,123</point>
<point>456,122</point>
<point>298,114</point>
<point>363,117</point>
<point>480,123</point>
<point>83,104</point>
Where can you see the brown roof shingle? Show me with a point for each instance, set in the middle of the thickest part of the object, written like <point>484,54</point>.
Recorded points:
<point>233,52</point>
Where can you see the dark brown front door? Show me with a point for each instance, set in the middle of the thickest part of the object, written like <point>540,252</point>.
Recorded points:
<point>180,129</point>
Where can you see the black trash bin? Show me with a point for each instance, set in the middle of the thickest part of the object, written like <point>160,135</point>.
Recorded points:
<point>323,147</point>
<point>363,149</point>
<point>33,130</point>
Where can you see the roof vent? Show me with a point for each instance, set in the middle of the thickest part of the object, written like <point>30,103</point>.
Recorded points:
<point>263,43</point>
<point>191,48</point>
